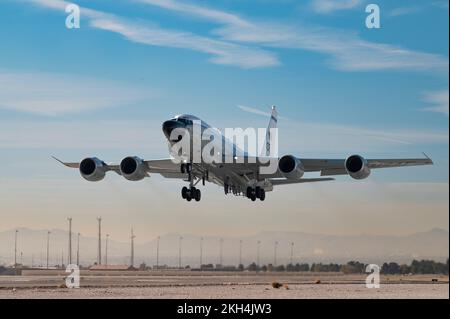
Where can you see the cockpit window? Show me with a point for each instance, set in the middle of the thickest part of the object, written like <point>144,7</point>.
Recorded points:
<point>185,121</point>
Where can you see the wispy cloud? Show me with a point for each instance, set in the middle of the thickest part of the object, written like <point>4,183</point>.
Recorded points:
<point>401,11</point>
<point>339,137</point>
<point>347,51</point>
<point>59,94</point>
<point>328,6</point>
<point>439,100</point>
<point>223,52</point>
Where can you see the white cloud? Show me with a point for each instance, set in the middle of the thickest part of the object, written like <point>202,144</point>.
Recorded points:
<point>440,101</point>
<point>347,50</point>
<point>222,52</point>
<point>328,6</point>
<point>57,94</point>
<point>401,11</point>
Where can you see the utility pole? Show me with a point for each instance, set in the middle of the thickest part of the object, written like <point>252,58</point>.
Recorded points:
<point>180,239</point>
<point>21,258</point>
<point>15,248</point>
<point>258,243</point>
<point>48,245</point>
<point>106,250</point>
<point>292,252</point>
<point>220,251</point>
<point>157,251</point>
<point>99,249</point>
<point>275,253</point>
<point>70,240</point>
<point>201,252</point>
<point>78,249</point>
<point>62,258</point>
<point>240,252</point>
<point>132,248</point>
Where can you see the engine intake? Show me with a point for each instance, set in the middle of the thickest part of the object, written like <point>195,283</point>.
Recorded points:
<point>357,167</point>
<point>93,169</point>
<point>133,168</point>
<point>291,167</point>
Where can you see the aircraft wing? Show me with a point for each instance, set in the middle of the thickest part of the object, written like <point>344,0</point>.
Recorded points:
<point>165,167</point>
<point>329,167</point>
<point>249,166</point>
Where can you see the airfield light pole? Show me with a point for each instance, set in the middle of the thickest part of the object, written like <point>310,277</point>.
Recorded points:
<point>15,248</point>
<point>48,245</point>
<point>132,248</point>
<point>275,253</point>
<point>106,250</point>
<point>240,252</point>
<point>221,251</point>
<point>180,239</point>
<point>157,251</point>
<point>70,241</point>
<point>201,252</point>
<point>258,243</point>
<point>292,251</point>
<point>78,249</point>
<point>99,249</point>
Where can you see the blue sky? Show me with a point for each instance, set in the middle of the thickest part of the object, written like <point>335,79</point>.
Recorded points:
<point>105,88</point>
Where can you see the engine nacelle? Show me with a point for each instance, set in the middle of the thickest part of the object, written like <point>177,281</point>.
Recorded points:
<point>357,167</point>
<point>291,167</point>
<point>133,168</point>
<point>93,169</point>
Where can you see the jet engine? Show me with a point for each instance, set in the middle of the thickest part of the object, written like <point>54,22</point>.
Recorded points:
<point>357,167</point>
<point>291,167</point>
<point>133,168</point>
<point>93,169</point>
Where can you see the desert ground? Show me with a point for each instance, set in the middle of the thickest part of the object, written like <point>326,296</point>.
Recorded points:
<point>194,285</point>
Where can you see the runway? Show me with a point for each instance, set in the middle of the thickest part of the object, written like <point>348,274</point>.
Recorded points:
<point>192,285</point>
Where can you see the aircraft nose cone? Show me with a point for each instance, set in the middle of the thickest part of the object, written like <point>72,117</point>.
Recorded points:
<point>169,126</point>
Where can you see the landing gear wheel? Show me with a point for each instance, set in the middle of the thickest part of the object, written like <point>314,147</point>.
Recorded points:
<point>184,192</point>
<point>253,197</point>
<point>249,192</point>
<point>258,191</point>
<point>197,195</point>
<point>262,195</point>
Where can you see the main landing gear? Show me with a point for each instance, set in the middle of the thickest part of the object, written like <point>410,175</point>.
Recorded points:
<point>256,192</point>
<point>191,193</point>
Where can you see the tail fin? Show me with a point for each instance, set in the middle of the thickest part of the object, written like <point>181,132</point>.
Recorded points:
<point>272,124</point>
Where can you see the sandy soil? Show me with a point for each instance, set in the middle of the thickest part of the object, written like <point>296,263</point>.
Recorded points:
<point>303,291</point>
